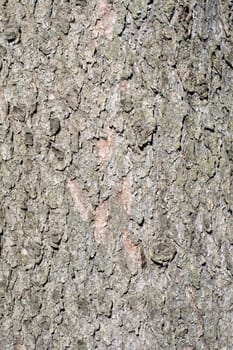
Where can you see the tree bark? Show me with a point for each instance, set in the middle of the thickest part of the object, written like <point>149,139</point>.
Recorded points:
<point>116,151</point>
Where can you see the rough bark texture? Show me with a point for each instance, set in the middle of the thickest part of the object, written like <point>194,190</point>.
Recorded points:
<point>116,169</point>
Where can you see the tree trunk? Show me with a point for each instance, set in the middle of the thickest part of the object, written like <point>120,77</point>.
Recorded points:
<point>116,157</point>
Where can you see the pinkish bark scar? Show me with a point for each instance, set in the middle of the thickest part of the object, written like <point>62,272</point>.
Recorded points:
<point>133,252</point>
<point>80,199</point>
<point>105,147</point>
<point>107,19</point>
<point>3,106</point>
<point>101,216</point>
<point>126,197</point>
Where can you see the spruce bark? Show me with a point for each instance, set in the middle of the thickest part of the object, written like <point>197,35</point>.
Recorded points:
<point>116,158</point>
